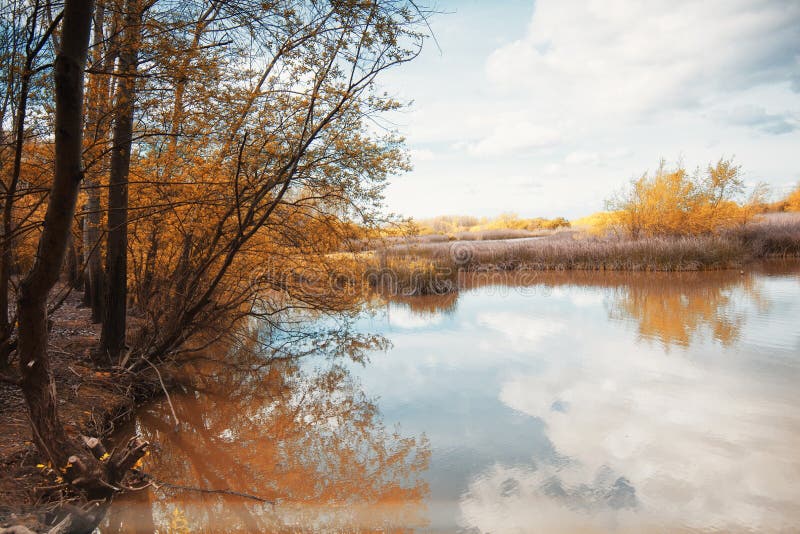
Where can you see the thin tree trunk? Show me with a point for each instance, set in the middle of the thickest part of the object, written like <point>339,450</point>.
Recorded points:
<point>74,272</point>
<point>37,381</point>
<point>87,253</point>
<point>112,337</point>
<point>99,95</point>
<point>150,265</point>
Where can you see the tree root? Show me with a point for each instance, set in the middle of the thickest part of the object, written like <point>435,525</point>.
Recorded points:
<point>97,478</point>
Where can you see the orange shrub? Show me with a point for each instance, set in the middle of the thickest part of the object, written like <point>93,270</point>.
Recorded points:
<point>674,202</point>
<point>793,200</point>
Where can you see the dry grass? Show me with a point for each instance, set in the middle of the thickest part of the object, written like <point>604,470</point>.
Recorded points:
<point>456,224</point>
<point>379,243</point>
<point>499,234</point>
<point>422,267</point>
<point>773,234</point>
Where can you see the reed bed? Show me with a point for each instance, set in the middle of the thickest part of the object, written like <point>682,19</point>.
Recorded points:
<point>361,245</point>
<point>420,268</point>
<point>499,233</point>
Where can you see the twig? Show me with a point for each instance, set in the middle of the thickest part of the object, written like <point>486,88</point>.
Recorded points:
<point>139,488</point>
<point>160,483</point>
<point>169,400</point>
<point>109,486</point>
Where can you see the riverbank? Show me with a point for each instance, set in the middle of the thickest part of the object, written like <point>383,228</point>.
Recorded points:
<point>419,268</point>
<point>93,403</point>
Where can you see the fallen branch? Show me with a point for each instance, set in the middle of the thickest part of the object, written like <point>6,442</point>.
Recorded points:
<point>157,484</point>
<point>169,400</point>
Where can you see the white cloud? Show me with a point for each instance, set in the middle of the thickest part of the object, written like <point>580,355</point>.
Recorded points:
<point>585,94</point>
<point>552,168</point>
<point>512,137</point>
<point>647,418</point>
<point>405,318</point>
<point>422,154</point>
<point>520,329</point>
<point>581,157</point>
<point>593,57</point>
<point>524,499</point>
<point>757,117</point>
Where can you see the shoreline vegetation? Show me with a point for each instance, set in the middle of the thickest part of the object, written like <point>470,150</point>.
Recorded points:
<point>424,265</point>
<point>668,220</point>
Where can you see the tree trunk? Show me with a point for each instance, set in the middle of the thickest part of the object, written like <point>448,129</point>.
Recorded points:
<point>37,382</point>
<point>86,250</point>
<point>74,267</point>
<point>99,95</point>
<point>150,266</point>
<point>112,338</point>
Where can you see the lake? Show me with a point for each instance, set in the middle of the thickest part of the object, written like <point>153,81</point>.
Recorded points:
<point>554,402</point>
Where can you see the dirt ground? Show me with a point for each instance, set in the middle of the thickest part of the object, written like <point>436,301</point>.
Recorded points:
<point>92,403</point>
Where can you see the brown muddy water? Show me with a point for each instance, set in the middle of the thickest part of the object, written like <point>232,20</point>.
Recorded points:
<point>561,402</point>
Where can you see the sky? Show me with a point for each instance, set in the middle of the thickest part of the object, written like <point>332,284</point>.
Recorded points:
<point>546,107</point>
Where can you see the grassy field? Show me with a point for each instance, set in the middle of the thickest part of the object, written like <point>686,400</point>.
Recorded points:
<point>381,243</point>
<point>422,265</point>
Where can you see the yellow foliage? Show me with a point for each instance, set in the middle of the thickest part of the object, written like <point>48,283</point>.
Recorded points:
<point>452,224</point>
<point>793,200</point>
<point>178,524</point>
<point>599,223</point>
<point>673,202</point>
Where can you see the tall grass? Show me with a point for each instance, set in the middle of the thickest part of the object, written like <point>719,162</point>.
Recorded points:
<point>424,267</point>
<point>773,234</point>
<point>500,234</point>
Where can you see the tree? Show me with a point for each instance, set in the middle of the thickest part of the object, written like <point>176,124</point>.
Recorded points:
<point>22,49</point>
<point>251,188</point>
<point>100,90</point>
<point>112,338</point>
<point>39,389</point>
<point>674,202</point>
<point>37,381</point>
<point>249,157</point>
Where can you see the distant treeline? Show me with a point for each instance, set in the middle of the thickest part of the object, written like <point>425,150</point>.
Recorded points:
<point>453,224</point>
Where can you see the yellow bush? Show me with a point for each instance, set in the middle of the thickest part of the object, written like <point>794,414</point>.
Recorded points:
<point>674,202</point>
<point>599,223</point>
<point>793,200</point>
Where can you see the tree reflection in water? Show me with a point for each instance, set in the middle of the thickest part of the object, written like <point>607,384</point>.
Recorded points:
<point>670,308</point>
<point>683,307</point>
<point>309,440</point>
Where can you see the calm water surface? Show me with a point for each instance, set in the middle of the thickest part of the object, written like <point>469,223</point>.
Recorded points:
<point>574,402</point>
